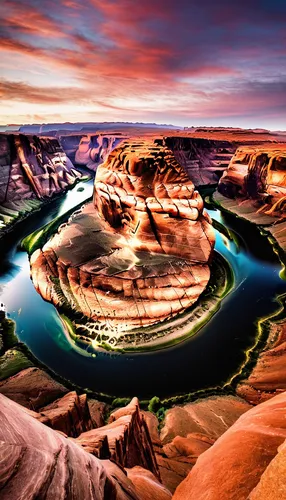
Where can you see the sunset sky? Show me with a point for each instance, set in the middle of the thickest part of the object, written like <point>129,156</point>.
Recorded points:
<point>186,62</point>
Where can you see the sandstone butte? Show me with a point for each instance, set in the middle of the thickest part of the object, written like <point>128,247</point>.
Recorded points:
<point>139,253</point>
<point>245,461</point>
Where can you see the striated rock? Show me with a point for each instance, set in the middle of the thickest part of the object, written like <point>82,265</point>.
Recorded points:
<point>32,388</point>
<point>93,149</point>
<point>37,462</point>
<point>233,466</point>
<point>272,484</point>
<point>153,425</point>
<point>139,254</point>
<point>69,414</point>
<point>146,485</point>
<point>204,160</point>
<point>258,174</point>
<point>268,377</point>
<point>128,439</point>
<point>32,168</point>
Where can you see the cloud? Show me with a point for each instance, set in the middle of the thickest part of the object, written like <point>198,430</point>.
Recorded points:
<point>188,58</point>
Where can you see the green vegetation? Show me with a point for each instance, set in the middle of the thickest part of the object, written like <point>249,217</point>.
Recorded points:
<point>12,362</point>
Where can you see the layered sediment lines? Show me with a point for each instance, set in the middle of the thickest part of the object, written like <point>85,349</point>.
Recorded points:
<point>258,174</point>
<point>32,169</point>
<point>139,253</point>
<point>268,377</point>
<point>204,160</point>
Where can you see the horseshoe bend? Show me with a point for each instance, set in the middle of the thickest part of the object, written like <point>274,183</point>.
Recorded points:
<point>138,254</point>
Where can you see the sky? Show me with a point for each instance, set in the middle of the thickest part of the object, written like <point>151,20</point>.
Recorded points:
<point>185,62</point>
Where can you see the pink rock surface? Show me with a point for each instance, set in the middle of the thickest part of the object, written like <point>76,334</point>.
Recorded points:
<point>37,462</point>
<point>233,466</point>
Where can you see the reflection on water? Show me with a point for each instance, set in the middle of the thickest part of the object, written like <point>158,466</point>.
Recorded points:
<point>205,360</point>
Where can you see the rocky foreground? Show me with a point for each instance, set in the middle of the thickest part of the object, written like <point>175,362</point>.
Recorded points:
<point>139,254</point>
<point>216,448</point>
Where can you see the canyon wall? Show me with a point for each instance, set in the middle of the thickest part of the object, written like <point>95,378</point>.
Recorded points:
<point>204,160</point>
<point>89,150</point>
<point>258,174</point>
<point>32,169</point>
<point>38,462</point>
<point>245,460</point>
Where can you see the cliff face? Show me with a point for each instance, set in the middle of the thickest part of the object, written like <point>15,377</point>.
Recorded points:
<point>32,168</point>
<point>89,150</point>
<point>204,160</point>
<point>38,462</point>
<point>139,254</point>
<point>258,174</point>
<point>232,468</point>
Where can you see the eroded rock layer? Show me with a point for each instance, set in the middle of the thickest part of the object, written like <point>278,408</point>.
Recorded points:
<point>31,169</point>
<point>204,160</point>
<point>89,150</point>
<point>258,174</point>
<point>139,253</point>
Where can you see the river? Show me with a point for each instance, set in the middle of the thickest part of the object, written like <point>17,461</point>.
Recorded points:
<point>207,359</point>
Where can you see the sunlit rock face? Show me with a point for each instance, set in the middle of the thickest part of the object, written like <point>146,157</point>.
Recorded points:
<point>258,174</point>
<point>139,253</point>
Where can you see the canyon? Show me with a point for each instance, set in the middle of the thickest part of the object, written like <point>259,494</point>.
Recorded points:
<point>139,255</point>
<point>33,170</point>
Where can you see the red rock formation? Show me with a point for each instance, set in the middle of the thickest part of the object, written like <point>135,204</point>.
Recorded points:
<point>204,160</point>
<point>35,167</point>
<point>233,466</point>
<point>69,414</point>
<point>140,254</point>
<point>258,174</point>
<point>97,411</point>
<point>32,388</point>
<point>93,149</point>
<point>37,462</point>
<point>272,482</point>
<point>189,430</point>
<point>146,485</point>
<point>31,169</point>
<point>128,439</point>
